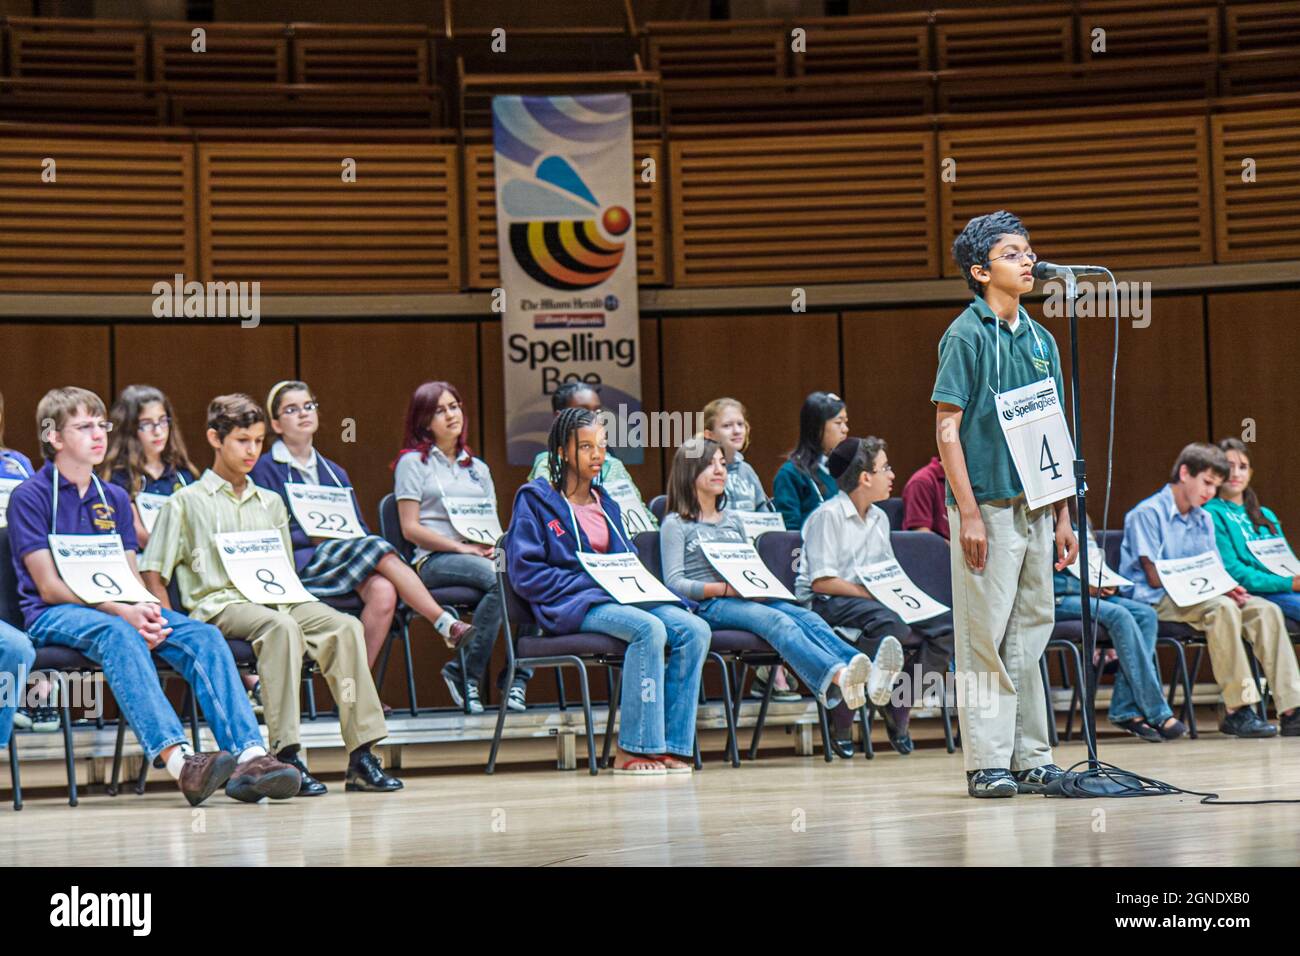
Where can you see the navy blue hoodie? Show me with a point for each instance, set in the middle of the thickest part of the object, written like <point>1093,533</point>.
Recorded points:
<point>541,557</point>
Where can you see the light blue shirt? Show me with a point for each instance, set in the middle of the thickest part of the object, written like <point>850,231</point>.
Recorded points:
<point>1156,530</point>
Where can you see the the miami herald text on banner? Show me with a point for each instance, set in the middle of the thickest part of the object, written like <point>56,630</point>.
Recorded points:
<point>568,258</point>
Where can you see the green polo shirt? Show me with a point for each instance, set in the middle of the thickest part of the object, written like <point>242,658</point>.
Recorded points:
<point>968,377</point>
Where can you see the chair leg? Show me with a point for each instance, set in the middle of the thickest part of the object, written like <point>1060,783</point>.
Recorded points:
<point>1074,656</point>
<point>1260,707</point>
<point>65,718</point>
<point>946,714</point>
<point>699,761</point>
<point>1189,708</point>
<point>559,688</point>
<point>464,677</point>
<point>865,712</point>
<point>824,724</point>
<point>142,776</point>
<point>585,690</point>
<point>13,771</point>
<point>733,751</point>
<point>740,691</point>
<point>501,723</point>
<point>381,666</point>
<point>309,685</point>
<point>1052,737</point>
<point>117,755</point>
<point>762,718</point>
<point>410,668</point>
<point>1075,702</point>
<point>614,676</point>
<point>194,721</point>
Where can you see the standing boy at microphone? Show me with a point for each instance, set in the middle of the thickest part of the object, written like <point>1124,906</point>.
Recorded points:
<point>1001,547</point>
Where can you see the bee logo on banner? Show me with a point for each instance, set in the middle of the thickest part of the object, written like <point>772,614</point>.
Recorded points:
<point>568,258</point>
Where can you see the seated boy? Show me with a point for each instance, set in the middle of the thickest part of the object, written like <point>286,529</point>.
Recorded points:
<point>65,497</point>
<point>847,532</point>
<point>184,543</point>
<point>1173,524</point>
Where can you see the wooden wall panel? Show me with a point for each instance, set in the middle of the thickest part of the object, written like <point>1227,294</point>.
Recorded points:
<point>1257,219</point>
<point>384,364</point>
<point>1161,402</point>
<point>768,362</point>
<point>195,363</point>
<point>890,357</point>
<point>1253,348</point>
<point>37,358</point>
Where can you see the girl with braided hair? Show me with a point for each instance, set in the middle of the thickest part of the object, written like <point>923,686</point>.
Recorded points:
<point>554,519</point>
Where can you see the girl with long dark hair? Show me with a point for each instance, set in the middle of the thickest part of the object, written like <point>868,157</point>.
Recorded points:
<point>803,483</point>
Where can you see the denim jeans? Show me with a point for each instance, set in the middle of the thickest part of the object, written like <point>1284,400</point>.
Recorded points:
<point>443,569</point>
<point>658,703</point>
<point>1288,601</point>
<point>196,651</point>
<point>16,656</point>
<point>1132,627</point>
<point>805,642</point>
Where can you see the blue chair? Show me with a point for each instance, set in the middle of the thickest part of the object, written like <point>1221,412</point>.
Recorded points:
<point>460,599</point>
<point>53,660</point>
<point>526,646</point>
<point>925,557</point>
<point>658,505</point>
<point>893,509</point>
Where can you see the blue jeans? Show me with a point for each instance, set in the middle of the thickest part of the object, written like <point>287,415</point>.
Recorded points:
<point>800,636</point>
<point>196,651</point>
<point>658,703</point>
<point>16,656</point>
<point>444,569</point>
<point>1288,601</point>
<point>1132,627</point>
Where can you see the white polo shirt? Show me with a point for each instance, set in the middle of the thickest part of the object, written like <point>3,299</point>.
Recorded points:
<point>837,540</point>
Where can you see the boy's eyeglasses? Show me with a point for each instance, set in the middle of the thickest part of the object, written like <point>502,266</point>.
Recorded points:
<point>295,409</point>
<point>881,471</point>
<point>1015,258</point>
<point>87,428</point>
<point>157,426</point>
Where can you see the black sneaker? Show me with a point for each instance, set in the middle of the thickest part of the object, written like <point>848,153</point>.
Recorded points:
<point>1291,724</point>
<point>991,783</point>
<point>1036,779</point>
<point>1244,722</point>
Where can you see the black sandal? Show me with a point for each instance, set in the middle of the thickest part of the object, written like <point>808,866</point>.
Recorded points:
<point>1140,728</point>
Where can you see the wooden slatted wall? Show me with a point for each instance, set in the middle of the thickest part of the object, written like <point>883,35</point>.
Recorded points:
<point>1261,219</point>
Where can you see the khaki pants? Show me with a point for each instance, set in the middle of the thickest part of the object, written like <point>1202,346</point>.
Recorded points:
<point>334,641</point>
<point>1262,624</point>
<point>1002,619</point>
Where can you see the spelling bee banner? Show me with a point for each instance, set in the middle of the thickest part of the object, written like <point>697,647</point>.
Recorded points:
<point>568,258</point>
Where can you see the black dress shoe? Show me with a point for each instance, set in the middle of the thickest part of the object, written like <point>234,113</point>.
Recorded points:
<point>1244,722</point>
<point>899,738</point>
<point>310,787</point>
<point>367,774</point>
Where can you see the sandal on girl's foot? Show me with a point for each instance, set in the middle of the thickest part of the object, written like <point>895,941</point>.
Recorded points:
<point>1141,729</point>
<point>637,766</point>
<point>1172,731</point>
<point>674,764</point>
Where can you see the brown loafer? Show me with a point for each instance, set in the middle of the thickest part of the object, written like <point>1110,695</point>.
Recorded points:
<point>263,776</point>
<point>203,774</point>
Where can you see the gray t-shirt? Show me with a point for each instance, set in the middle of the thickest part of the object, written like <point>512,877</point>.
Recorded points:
<point>686,569</point>
<point>744,489</point>
<point>428,481</point>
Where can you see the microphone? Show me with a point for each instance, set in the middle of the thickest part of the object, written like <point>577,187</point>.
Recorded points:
<point>1050,270</point>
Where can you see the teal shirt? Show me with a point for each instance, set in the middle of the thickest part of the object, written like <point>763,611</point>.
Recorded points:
<point>1232,529</point>
<point>968,376</point>
<point>797,496</point>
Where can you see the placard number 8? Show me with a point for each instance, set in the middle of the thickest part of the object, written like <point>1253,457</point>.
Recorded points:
<point>269,584</point>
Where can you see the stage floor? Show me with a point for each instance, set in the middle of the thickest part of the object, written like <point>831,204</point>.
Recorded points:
<point>784,810</point>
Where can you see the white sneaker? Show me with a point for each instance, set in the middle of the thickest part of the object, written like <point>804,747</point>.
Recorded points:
<point>515,699</point>
<point>471,688</point>
<point>884,671</point>
<point>856,674</point>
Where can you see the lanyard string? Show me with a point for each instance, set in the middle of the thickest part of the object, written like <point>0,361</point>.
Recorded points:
<point>577,536</point>
<point>54,497</point>
<point>290,468</point>
<point>443,491</point>
<point>26,473</point>
<point>997,351</point>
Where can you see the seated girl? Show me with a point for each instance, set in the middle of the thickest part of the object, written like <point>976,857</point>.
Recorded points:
<point>558,516</point>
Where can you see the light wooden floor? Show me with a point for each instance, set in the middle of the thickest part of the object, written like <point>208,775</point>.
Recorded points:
<point>783,810</point>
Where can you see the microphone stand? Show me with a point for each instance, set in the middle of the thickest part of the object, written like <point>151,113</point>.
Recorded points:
<point>1096,781</point>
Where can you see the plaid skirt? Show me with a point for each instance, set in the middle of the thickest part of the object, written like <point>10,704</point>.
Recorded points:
<point>341,565</point>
